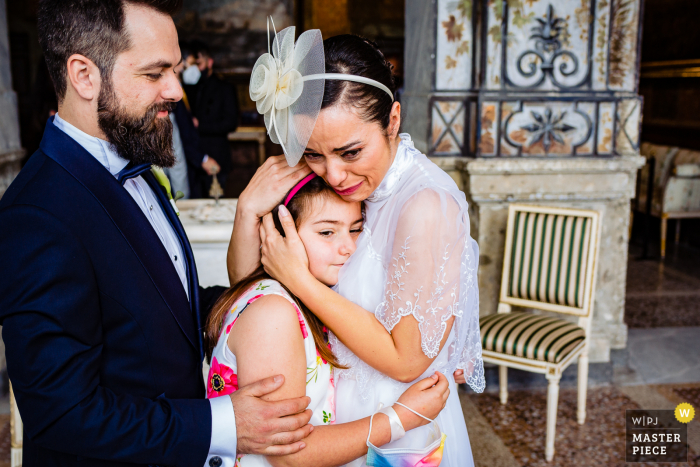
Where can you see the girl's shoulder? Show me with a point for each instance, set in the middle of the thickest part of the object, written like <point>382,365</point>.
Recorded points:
<point>263,288</point>
<point>260,289</point>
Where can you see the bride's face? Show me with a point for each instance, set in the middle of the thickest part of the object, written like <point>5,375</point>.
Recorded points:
<point>329,232</point>
<point>351,154</point>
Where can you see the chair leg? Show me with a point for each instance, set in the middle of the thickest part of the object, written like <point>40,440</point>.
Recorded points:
<point>664,228</point>
<point>582,387</point>
<point>503,383</point>
<point>552,404</point>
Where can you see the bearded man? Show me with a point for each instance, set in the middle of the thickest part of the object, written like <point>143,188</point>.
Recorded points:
<point>99,300</point>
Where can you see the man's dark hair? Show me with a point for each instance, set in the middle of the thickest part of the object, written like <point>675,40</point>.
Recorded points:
<point>93,28</point>
<point>200,48</point>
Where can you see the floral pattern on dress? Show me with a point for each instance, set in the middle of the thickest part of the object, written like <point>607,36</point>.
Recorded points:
<point>320,385</point>
<point>221,381</point>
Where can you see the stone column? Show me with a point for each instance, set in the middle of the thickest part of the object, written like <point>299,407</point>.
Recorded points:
<point>534,101</point>
<point>10,149</point>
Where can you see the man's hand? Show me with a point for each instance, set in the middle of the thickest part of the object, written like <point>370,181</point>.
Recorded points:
<point>210,166</point>
<point>269,185</point>
<point>270,428</point>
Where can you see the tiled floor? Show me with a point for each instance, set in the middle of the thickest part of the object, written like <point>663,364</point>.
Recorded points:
<point>662,370</point>
<point>519,427</point>
<point>663,294</point>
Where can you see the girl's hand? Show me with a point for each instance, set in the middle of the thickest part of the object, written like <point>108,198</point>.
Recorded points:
<point>459,377</point>
<point>427,397</point>
<point>270,183</point>
<point>284,258</point>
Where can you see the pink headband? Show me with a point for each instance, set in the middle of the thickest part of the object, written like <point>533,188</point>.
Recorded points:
<point>298,187</point>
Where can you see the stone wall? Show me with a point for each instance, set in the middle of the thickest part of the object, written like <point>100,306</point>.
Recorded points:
<point>532,101</point>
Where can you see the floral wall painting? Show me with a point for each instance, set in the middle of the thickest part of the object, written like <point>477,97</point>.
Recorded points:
<point>487,144</point>
<point>546,78</point>
<point>447,132</point>
<point>453,61</point>
<point>623,44</point>
<point>628,118</point>
<point>562,45</point>
<point>547,128</point>
<point>601,29</point>
<point>606,114</point>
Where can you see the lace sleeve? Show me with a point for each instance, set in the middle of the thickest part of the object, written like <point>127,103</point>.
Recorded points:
<point>432,277</point>
<point>423,273</point>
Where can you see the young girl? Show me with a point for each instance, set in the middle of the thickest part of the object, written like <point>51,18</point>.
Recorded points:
<point>257,329</point>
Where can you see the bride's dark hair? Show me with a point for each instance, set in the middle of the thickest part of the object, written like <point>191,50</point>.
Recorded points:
<point>354,55</point>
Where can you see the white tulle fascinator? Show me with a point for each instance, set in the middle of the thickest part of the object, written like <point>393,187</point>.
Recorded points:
<point>287,86</point>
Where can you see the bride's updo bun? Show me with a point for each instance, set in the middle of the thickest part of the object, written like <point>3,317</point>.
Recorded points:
<point>354,55</point>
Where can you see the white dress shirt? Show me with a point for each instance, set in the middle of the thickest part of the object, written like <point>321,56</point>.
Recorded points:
<point>223,433</point>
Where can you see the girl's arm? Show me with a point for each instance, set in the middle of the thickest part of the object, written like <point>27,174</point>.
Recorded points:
<point>423,281</point>
<point>266,189</point>
<point>267,340</point>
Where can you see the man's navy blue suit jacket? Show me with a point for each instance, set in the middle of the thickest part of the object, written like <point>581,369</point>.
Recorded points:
<point>104,350</point>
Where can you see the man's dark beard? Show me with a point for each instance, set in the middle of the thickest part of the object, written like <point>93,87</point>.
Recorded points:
<point>144,139</point>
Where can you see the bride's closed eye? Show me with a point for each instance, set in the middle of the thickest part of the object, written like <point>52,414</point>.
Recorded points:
<point>312,155</point>
<point>349,155</point>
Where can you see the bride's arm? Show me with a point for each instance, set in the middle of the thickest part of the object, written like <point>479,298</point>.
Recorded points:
<point>268,186</point>
<point>422,278</point>
<point>267,340</point>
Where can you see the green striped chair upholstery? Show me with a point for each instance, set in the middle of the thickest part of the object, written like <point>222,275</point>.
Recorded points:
<point>549,264</point>
<point>530,336</point>
<point>548,260</point>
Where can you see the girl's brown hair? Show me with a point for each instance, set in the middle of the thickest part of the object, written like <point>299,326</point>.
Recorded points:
<point>299,207</point>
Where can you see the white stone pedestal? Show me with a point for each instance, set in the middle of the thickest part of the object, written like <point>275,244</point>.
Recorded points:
<point>209,241</point>
<point>606,185</point>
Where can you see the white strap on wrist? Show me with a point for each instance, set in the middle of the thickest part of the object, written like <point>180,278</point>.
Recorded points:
<point>397,430</point>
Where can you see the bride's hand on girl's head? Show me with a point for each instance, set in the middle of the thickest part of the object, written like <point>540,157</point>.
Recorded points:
<point>270,183</point>
<point>427,397</point>
<point>284,258</point>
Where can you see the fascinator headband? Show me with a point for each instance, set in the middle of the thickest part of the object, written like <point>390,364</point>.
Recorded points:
<point>287,86</point>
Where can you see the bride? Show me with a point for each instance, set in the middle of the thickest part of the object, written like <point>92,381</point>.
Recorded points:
<point>406,303</point>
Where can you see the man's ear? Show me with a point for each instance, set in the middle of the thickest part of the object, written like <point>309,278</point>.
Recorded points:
<point>83,76</point>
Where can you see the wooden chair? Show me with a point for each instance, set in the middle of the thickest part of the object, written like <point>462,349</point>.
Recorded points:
<point>550,265</point>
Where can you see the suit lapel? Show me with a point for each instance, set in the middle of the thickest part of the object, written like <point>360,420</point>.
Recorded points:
<point>130,221</point>
<point>192,279</point>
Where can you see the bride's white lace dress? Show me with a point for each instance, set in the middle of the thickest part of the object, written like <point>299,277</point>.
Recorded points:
<point>415,257</point>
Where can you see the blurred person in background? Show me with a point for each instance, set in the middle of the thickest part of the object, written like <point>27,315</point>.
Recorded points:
<point>192,165</point>
<point>214,107</point>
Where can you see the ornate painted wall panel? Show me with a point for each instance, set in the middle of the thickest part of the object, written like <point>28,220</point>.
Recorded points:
<point>455,42</point>
<point>559,128</point>
<point>623,70</point>
<point>546,47</point>
<point>552,78</point>
<point>448,130</point>
<point>492,52</point>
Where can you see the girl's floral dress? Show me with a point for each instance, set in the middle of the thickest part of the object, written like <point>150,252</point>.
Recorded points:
<point>223,380</point>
